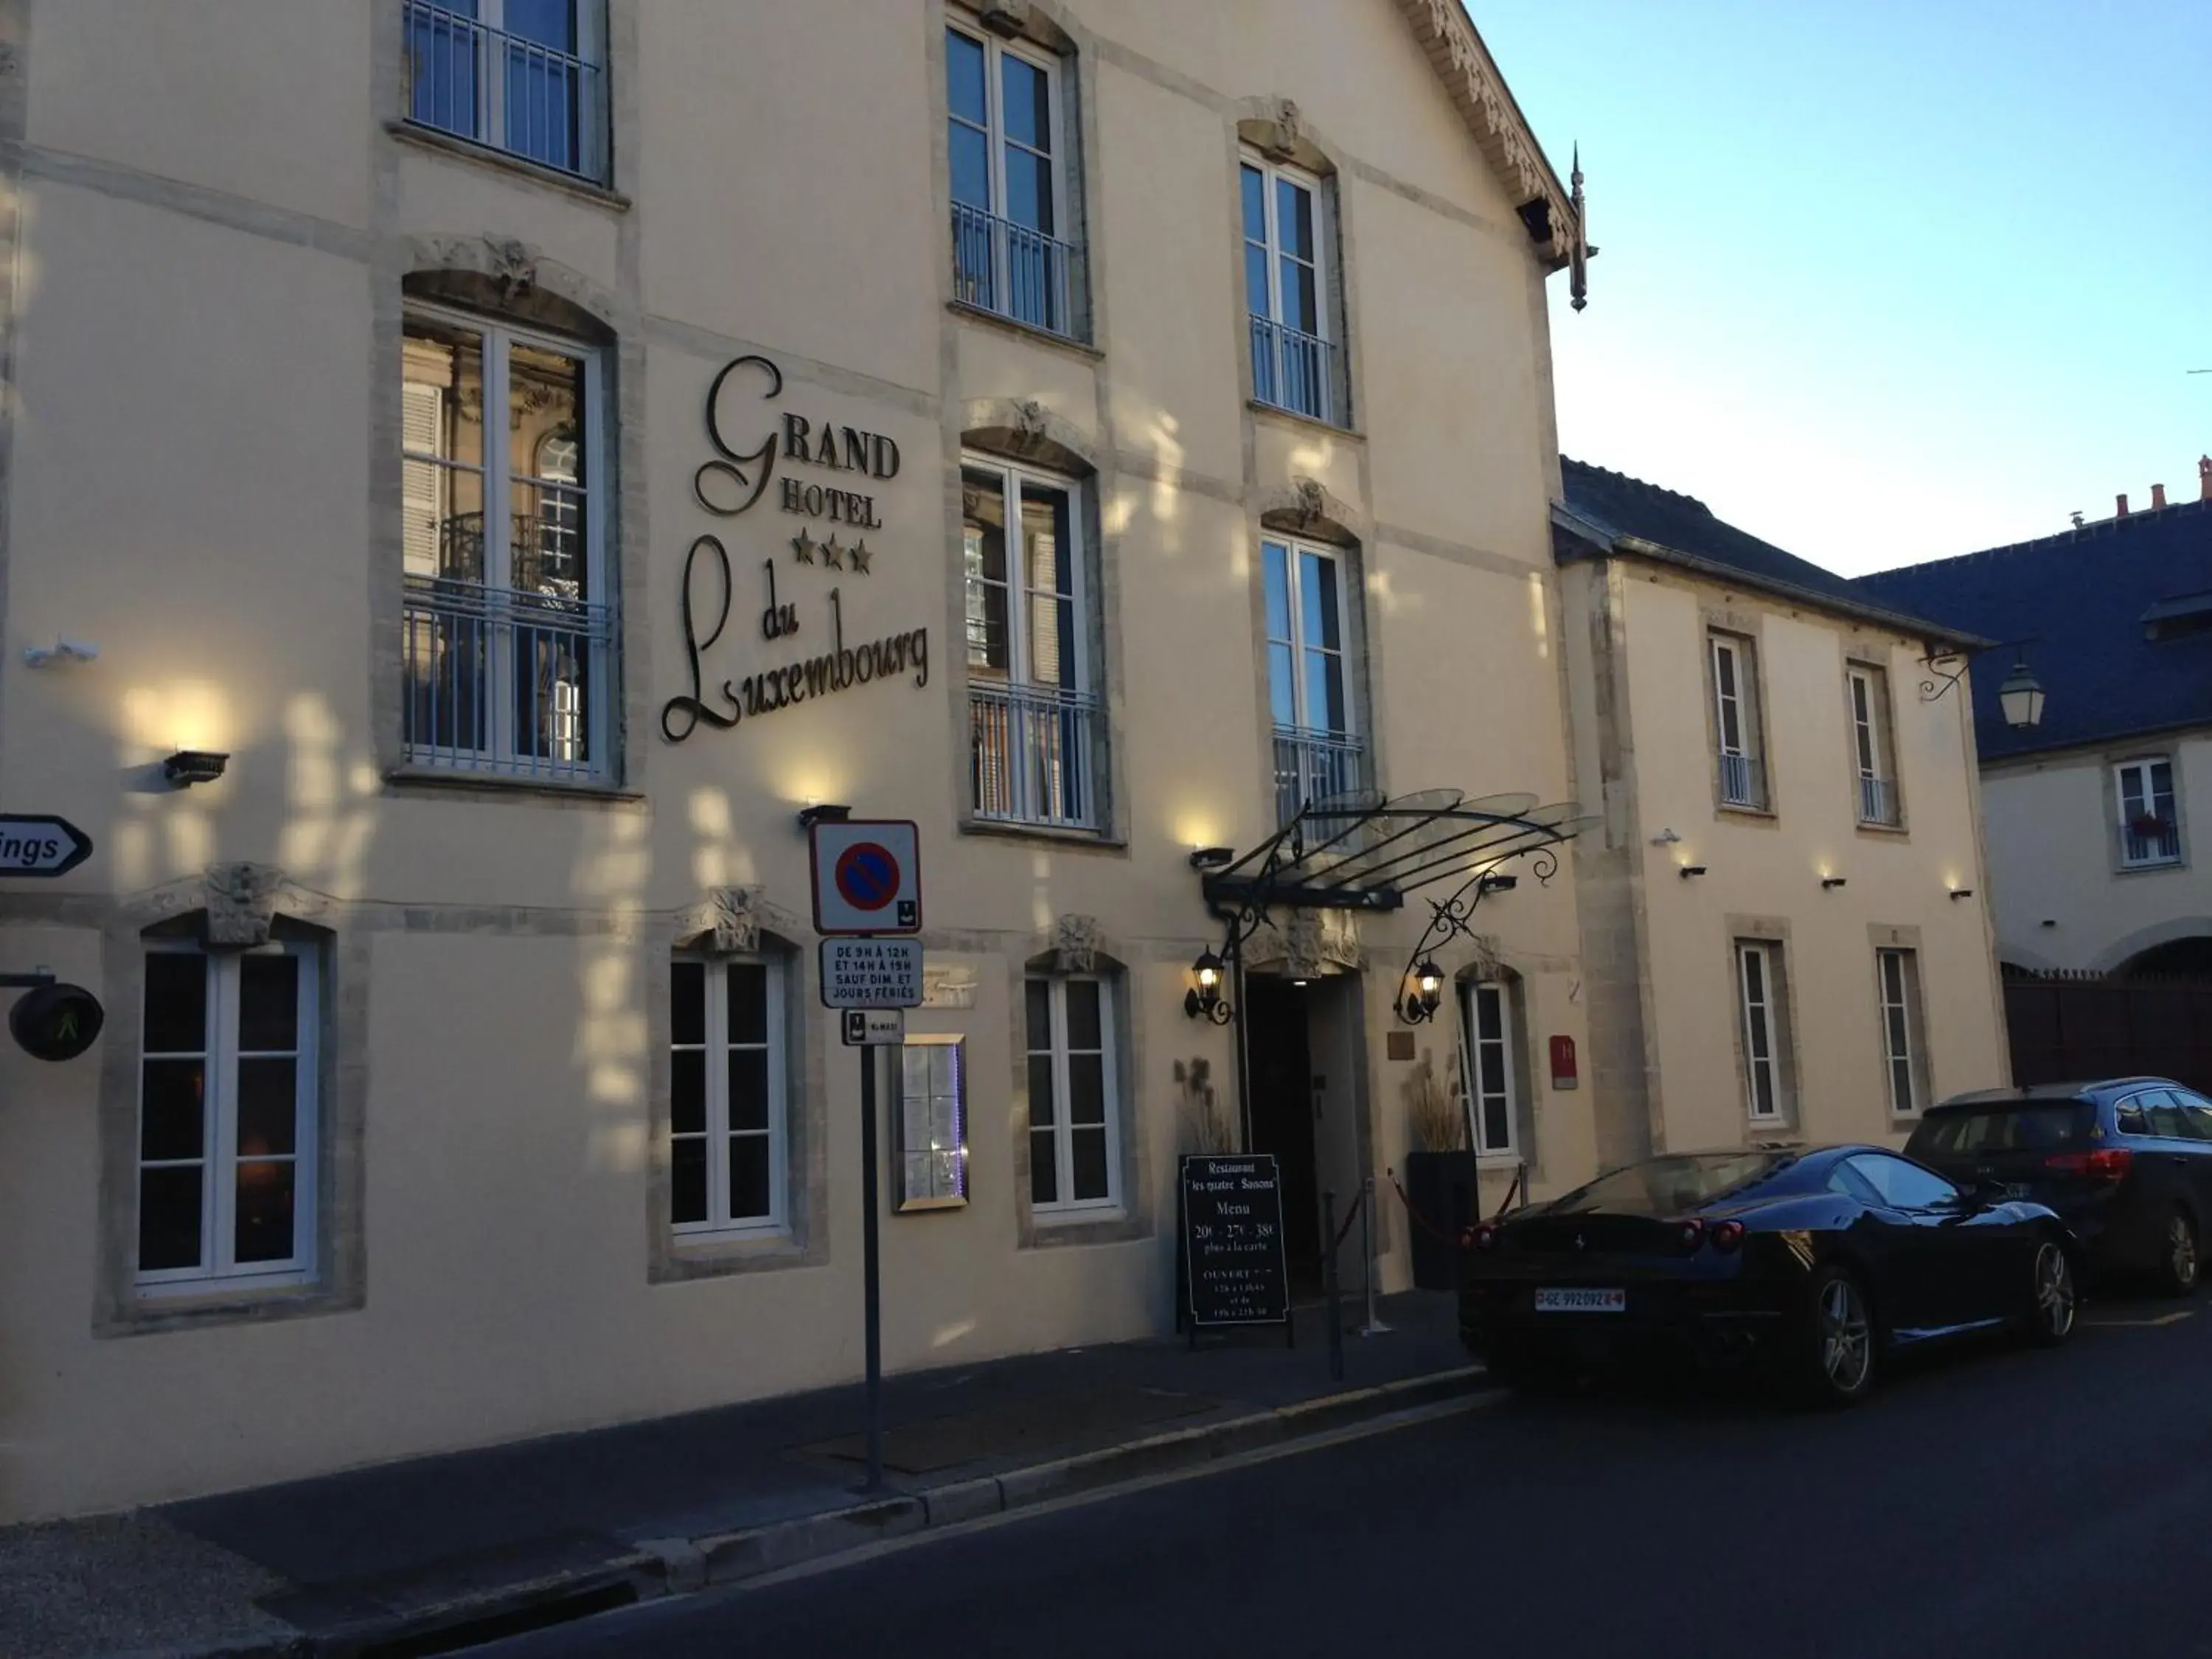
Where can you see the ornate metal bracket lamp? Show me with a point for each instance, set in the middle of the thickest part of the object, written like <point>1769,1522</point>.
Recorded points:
<point>2019,698</point>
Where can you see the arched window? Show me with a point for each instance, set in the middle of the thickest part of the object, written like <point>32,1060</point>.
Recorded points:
<point>227,1113</point>
<point>508,639</point>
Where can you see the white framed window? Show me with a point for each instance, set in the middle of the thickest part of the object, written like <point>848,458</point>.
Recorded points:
<point>1007,144</point>
<point>524,76</point>
<point>508,644</point>
<point>727,1099</point>
<point>226,1115</point>
<point>1736,720</point>
<point>2151,833</point>
<point>1318,749</point>
<point>1897,978</point>
<point>1035,718</point>
<point>1866,692</point>
<point>1075,1103</point>
<point>1759,989</point>
<point>1491,1066</point>
<point>931,1152</point>
<point>1286,290</point>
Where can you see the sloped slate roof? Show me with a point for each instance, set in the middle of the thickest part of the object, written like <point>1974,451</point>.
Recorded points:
<point>1610,512</point>
<point>2086,592</point>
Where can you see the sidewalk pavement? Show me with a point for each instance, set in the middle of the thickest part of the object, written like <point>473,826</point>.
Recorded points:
<point>453,1546</point>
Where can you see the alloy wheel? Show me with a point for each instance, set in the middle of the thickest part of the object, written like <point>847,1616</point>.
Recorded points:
<point>2056,1300</point>
<point>1847,1336</point>
<point>2181,1252</point>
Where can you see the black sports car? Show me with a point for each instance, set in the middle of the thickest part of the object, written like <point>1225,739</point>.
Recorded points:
<point>1820,1263</point>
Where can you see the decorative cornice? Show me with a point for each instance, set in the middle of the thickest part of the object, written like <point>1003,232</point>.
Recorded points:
<point>1463,63</point>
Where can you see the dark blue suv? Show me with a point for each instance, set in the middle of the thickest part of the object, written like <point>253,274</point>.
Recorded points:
<point>2126,1162</point>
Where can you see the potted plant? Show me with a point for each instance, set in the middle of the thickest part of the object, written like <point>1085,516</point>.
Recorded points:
<point>2149,825</point>
<point>1439,1171</point>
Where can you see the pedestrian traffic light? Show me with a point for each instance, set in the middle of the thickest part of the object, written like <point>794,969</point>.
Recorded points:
<point>56,1022</point>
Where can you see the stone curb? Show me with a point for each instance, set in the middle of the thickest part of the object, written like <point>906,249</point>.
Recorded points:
<point>679,1566</point>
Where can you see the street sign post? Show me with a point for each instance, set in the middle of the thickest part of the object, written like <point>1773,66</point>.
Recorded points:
<point>871,973</point>
<point>867,884</point>
<point>867,876</point>
<point>40,845</point>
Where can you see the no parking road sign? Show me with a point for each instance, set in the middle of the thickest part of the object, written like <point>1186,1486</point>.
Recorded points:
<point>867,877</point>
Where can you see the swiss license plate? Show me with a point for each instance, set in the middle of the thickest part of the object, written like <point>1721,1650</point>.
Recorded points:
<point>1582,1301</point>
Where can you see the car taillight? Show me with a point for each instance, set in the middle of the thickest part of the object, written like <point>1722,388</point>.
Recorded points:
<point>2106,1163</point>
<point>1691,1234</point>
<point>1728,1235</point>
<point>1482,1237</point>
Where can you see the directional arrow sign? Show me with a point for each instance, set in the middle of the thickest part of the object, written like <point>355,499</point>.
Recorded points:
<point>40,845</point>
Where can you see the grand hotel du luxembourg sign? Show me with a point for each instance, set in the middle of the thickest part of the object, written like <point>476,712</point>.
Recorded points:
<point>824,476</point>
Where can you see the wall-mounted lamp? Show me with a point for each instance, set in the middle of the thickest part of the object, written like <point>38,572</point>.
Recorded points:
<point>61,651</point>
<point>1425,990</point>
<point>1689,869</point>
<point>1962,892</point>
<point>189,766</point>
<point>1203,999</point>
<point>1500,883</point>
<point>822,812</point>
<point>1829,883</point>
<point>2021,698</point>
<point>1212,857</point>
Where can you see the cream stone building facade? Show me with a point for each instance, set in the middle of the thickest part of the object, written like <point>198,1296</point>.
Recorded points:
<point>1785,918</point>
<point>1093,429</point>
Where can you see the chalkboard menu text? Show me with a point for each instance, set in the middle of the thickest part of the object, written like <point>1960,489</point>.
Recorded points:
<point>1234,1270</point>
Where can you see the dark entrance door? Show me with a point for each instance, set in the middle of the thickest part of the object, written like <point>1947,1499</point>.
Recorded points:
<point>1281,1070</point>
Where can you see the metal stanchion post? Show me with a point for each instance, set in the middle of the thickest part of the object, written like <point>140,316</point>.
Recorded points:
<point>1328,1288</point>
<point>1374,1326</point>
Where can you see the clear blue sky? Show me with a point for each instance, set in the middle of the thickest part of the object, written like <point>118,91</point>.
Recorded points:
<point>1883,280</point>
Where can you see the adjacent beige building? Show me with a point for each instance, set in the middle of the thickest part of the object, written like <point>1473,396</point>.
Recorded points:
<point>546,449</point>
<point>1785,921</point>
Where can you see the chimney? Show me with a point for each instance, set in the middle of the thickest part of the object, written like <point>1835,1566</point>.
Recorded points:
<point>2204,478</point>
<point>2122,513</point>
<point>2077,520</point>
<point>2157,496</point>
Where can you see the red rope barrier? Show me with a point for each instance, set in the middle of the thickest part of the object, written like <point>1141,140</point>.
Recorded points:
<point>1350,1215</point>
<point>1420,1220</point>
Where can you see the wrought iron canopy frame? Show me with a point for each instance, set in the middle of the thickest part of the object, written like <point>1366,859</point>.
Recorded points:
<point>1363,852</point>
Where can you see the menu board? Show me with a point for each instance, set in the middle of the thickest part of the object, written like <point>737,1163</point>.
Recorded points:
<point>1234,1271</point>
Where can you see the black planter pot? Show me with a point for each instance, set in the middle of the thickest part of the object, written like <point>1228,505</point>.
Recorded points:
<point>1441,1187</point>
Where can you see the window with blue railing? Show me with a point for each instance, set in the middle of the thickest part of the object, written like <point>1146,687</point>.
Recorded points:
<point>1296,363</point>
<point>524,76</point>
<point>1319,751</point>
<point>1009,142</point>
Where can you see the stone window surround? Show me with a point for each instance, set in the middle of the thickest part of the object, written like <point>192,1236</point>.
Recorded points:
<point>1077,945</point>
<point>503,279</point>
<point>1884,936</point>
<point>1045,28</point>
<point>739,923</point>
<point>2110,762</point>
<point>1782,1002</point>
<point>1307,510</point>
<point>1861,657</point>
<point>1025,432</point>
<point>1490,969</point>
<point>232,906</point>
<point>1744,627</point>
<point>596,46</point>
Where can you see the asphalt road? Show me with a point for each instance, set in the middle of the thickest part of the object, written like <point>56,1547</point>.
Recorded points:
<point>2003,1502</point>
